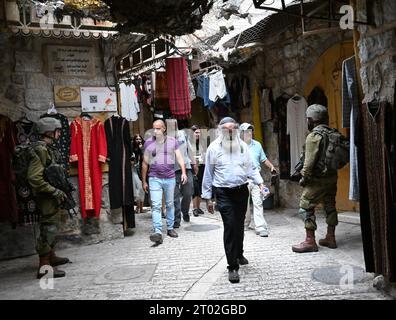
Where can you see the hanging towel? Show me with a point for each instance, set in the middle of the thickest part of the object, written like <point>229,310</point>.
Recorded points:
<point>179,95</point>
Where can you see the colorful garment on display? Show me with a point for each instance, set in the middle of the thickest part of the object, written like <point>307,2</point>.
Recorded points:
<point>27,207</point>
<point>179,94</point>
<point>63,144</point>
<point>8,205</point>
<point>119,152</point>
<point>89,149</point>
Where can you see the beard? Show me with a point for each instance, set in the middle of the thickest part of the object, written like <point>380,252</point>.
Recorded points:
<point>230,145</point>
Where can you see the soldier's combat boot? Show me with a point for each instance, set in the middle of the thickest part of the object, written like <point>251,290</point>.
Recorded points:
<point>329,241</point>
<point>57,261</point>
<point>45,262</point>
<point>309,245</point>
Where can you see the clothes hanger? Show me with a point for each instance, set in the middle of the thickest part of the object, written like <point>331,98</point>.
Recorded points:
<point>52,110</point>
<point>296,97</point>
<point>85,116</point>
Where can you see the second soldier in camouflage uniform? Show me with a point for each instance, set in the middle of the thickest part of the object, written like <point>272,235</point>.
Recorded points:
<point>48,198</point>
<point>318,187</point>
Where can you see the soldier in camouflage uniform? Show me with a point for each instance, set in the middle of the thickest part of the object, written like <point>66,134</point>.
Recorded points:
<point>320,186</point>
<point>49,199</point>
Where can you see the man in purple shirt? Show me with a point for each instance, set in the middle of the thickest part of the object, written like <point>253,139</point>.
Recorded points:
<point>160,152</point>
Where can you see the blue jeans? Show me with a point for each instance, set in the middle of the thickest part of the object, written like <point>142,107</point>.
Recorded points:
<point>157,187</point>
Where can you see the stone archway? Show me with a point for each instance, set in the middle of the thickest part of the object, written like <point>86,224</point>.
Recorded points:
<point>327,74</point>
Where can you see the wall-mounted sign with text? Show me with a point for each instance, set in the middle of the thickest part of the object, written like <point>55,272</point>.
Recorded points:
<point>67,96</point>
<point>70,61</point>
<point>98,99</point>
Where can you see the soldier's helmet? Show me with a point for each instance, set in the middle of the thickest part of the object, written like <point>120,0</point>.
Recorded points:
<point>317,113</point>
<point>48,125</point>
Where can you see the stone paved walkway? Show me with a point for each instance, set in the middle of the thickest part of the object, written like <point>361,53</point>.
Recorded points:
<point>193,266</point>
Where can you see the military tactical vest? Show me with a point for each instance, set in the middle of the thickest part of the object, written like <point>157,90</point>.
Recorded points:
<point>24,153</point>
<point>334,150</point>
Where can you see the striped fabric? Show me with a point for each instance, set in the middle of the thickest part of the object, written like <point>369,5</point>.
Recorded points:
<point>179,95</point>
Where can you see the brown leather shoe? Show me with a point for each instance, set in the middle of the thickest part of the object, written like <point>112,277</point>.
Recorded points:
<point>57,261</point>
<point>329,241</point>
<point>309,245</point>
<point>172,233</point>
<point>45,262</point>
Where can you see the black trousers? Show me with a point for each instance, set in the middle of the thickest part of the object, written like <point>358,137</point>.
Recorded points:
<point>232,204</point>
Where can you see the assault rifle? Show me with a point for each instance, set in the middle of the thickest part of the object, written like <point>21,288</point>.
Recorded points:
<point>56,176</point>
<point>296,176</point>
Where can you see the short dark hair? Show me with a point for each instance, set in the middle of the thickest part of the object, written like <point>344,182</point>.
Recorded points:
<point>195,127</point>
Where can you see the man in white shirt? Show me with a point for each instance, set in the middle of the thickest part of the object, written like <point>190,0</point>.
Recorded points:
<point>228,167</point>
<point>258,157</point>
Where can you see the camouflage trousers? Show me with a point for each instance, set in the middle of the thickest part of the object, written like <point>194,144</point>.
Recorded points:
<point>319,190</point>
<point>49,224</point>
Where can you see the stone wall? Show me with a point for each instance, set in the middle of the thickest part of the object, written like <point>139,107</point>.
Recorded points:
<point>377,49</point>
<point>26,87</point>
<point>284,65</point>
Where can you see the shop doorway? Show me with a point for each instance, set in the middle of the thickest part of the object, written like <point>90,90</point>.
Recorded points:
<point>327,74</point>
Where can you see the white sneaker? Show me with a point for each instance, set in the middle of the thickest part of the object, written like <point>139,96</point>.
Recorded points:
<point>263,233</point>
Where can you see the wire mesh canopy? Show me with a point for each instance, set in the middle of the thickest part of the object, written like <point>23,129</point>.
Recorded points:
<point>173,17</point>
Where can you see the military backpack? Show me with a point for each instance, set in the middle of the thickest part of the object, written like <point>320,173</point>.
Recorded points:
<point>334,151</point>
<point>21,157</point>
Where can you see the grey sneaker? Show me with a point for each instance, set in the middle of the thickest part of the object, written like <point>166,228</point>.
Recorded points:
<point>172,233</point>
<point>156,237</point>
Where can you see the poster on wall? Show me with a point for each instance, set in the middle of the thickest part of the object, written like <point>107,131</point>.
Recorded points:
<point>67,96</point>
<point>98,99</point>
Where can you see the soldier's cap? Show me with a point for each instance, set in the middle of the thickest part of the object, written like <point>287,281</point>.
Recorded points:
<point>48,124</point>
<point>227,120</point>
<point>246,126</point>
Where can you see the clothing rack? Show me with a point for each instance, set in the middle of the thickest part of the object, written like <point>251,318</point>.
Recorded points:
<point>205,70</point>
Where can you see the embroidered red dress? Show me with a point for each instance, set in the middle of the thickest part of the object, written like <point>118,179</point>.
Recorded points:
<point>89,149</point>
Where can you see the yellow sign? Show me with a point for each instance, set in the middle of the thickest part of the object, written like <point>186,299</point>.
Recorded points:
<point>67,96</point>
